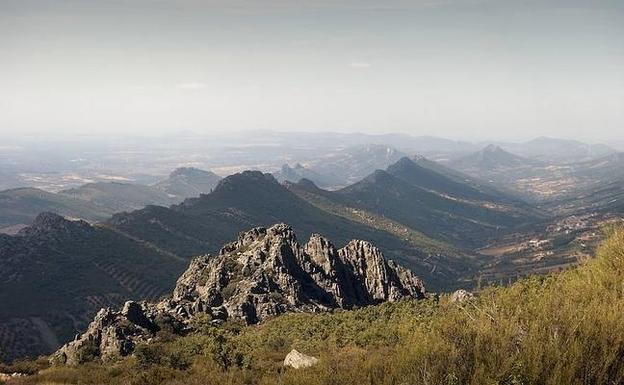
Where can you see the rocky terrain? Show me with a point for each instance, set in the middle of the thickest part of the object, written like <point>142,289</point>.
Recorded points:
<point>266,272</point>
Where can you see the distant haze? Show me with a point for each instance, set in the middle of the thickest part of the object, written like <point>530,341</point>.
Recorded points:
<point>466,69</point>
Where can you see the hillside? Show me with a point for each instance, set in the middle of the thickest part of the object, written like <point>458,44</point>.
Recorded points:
<point>605,197</point>
<point>531,180</point>
<point>298,172</point>
<point>503,193</point>
<point>428,202</point>
<point>424,174</point>
<point>596,185</point>
<point>609,167</point>
<point>248,199</point>
<point>503,336</point>
<point>188,182</point>
<point>56,273</point>
<point>22,205</point>
<point>463,223</point>
<point>98,201</point>
<point>351,164</point>
<point>560,150</point>
<point>492,158</point>
<point>115,197</point>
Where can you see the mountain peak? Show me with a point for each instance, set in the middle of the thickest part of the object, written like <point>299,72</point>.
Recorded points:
<point>405,161</point>
<point>491,148</point>
<point>48,222</point>
<point>245,178</point>
<point>48,219</point>
<point>403,165</point>
<point>189,171</point>
<point>492,157</point>
<point>188,182</point>
<point>279,232</point>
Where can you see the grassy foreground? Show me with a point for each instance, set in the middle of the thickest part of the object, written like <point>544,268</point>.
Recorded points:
<point>561,329</point>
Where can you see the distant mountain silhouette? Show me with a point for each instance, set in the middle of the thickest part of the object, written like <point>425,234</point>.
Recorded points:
<point>114,197</point>
<point>429,179</point>
<point>351,164</point>
<point>22,205</point>
<point>491,158</point>
<point>561,150</point>
<point>444,214</point>
<point>298,172</point>
<point>98,201</point>
<point>188,182</point>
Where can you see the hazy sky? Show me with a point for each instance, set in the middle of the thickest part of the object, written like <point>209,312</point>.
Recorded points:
<point>469,69</point>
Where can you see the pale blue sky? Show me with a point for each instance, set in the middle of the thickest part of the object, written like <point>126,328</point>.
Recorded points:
<point>467,69</point>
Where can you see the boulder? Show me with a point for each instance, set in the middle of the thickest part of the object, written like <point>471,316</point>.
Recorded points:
<point>461,295</point>
<point>298,360</point>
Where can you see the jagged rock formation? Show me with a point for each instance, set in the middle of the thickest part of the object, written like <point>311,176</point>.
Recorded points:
<point>266,272</point>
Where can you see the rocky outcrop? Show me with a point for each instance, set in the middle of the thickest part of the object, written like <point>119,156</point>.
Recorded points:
<point>264,273</point>
<point>298,360</point>
<point>47,223</point>
<point>110,335</point>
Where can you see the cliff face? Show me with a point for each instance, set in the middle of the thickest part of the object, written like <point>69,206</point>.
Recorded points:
<point>266,272</point>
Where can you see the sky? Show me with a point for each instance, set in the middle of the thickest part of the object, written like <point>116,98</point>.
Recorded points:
<point>464,69</point>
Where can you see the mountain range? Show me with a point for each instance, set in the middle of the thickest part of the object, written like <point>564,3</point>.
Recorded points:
<point>140,253</point>
<point>348,165</point>
<point>97,201</point>
<point>558,150</point>
<point>429,217</point>
<point>430,203</point>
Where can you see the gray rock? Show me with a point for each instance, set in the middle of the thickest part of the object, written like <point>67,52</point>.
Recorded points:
<point>461,295</point>
<point>264,273</point>
<point>298,360</point>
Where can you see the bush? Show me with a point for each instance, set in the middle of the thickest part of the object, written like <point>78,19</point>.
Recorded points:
<point>148,355</point>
